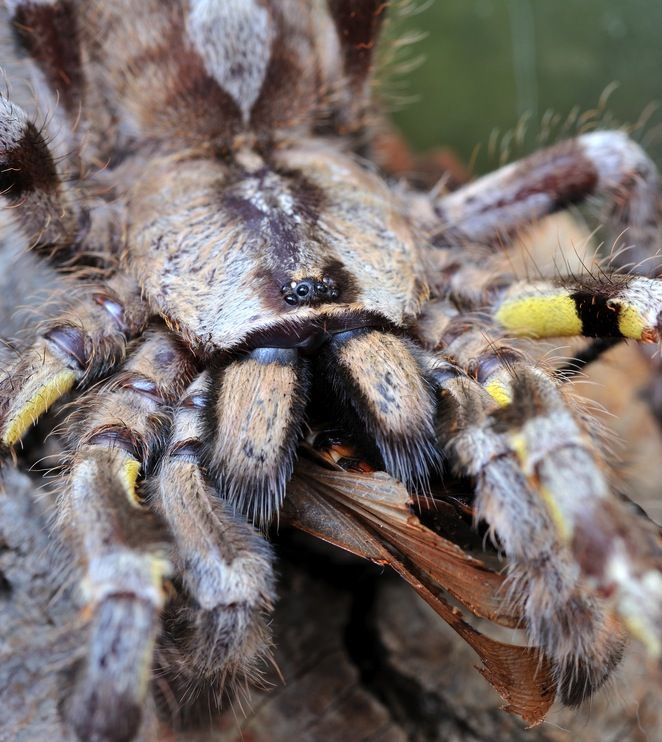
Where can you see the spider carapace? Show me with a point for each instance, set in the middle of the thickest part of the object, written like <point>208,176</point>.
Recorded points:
<point>204,176</point>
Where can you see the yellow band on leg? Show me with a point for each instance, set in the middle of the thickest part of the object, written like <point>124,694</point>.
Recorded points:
<point>630,322</point>
<point>130,473</point>
<point>499,392</point>
<point>521,450</point>
<point>540,316</point>
<point>42,399</point>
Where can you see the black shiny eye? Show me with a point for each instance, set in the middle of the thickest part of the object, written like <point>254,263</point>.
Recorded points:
<point>310,290</point>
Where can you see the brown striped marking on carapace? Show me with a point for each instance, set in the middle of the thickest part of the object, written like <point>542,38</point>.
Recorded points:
<point>49,34</point>
<point>358,26</point>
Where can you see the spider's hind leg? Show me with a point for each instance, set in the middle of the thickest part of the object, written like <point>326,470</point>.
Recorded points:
<point>607,164</point>
<point>219,625</point>
<point>381,390</point>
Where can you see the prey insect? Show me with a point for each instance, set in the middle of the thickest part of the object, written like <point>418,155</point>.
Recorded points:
<point>238,269</point>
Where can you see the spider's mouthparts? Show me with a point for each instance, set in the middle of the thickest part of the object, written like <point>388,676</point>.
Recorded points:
<point>310,336</point>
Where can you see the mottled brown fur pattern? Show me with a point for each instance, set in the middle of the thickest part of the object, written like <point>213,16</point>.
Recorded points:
<point>267,224</point>
<point>220,614</point>
<point>240,271</point>
<point>256,416</point>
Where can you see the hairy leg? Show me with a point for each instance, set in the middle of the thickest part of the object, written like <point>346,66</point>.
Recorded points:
<point>606,164</point>
<point>254,425</point>
<point>33,188</point>
<point>219,621</point>
<point>598,304</point>
<point>85,342</point>
<point>561,614</point>
<point>618,552</point>
<point>592,306</point>
<point>378,383</point>
<point>121,545</point>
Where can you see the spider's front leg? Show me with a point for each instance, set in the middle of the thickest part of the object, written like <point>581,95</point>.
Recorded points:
<point>617,551</point>
<point>562,616</point>
<point>83,343</point>
<point>607,164</point>
<point>604,306</point>
<point>221,619</point>
<point>129,539</point>
<point>32,187</point>
<point>600,305</point>
<point>122,546</point>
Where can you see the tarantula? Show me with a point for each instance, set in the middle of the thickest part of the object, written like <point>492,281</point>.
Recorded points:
<point>237,266</point>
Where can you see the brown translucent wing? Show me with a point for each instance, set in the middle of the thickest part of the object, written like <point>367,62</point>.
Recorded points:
<point>384,504</point>
<point>370,515</point>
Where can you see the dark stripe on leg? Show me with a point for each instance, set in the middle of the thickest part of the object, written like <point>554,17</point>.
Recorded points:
<point>492,209</point>
<point>598,318</point>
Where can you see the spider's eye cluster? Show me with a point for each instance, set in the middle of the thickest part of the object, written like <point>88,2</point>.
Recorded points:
<point>310,291</point>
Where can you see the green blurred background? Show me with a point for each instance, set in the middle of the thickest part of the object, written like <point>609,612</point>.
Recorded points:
<point>488,63</point>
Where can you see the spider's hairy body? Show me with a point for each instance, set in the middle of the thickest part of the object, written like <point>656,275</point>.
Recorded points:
<point>311,212</point>
<point>256,273</point>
